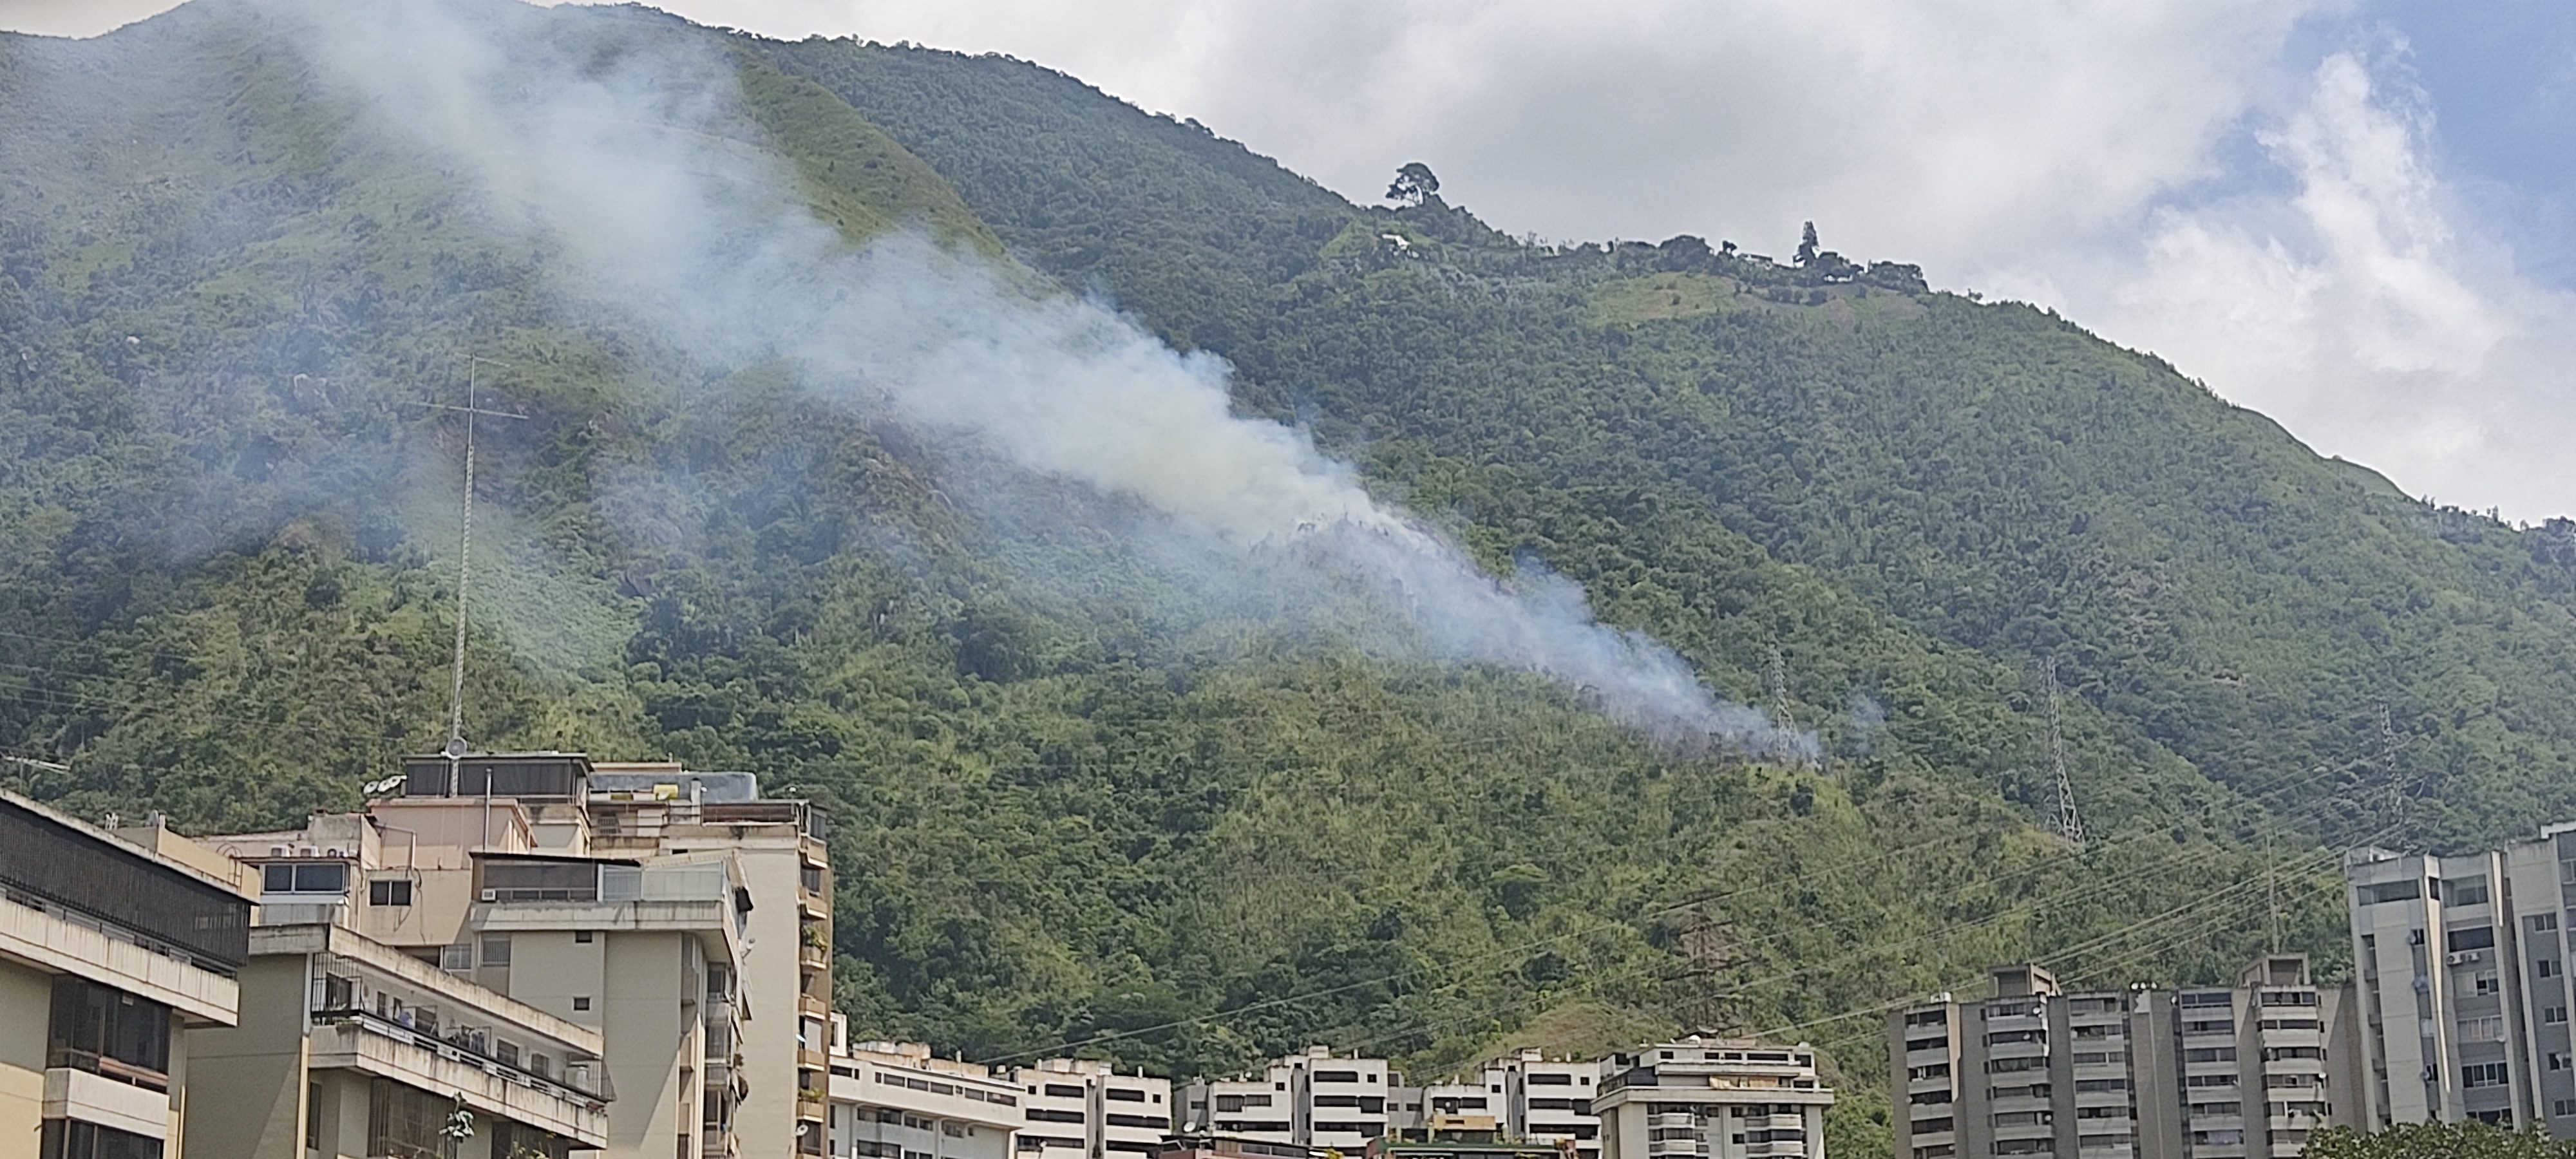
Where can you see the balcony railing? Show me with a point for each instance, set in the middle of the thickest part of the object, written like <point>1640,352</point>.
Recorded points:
<point>51,866</point>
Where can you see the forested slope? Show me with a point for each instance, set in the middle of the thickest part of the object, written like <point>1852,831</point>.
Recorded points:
<point>1066,815</point>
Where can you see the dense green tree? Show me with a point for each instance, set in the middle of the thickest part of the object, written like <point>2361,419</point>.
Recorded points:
<point>2437,1141</point>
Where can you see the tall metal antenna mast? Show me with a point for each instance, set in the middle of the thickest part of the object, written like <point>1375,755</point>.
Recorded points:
<point>1781,718</point>
<point>2397,810</point>
<point>456,747</point>
<point>2070,824</point>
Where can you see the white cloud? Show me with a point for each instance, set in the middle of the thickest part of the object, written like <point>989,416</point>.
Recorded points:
<point>2355,308</point>
<point>1939,131</point>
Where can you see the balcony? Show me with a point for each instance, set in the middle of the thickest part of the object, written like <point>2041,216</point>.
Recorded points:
<point>813,957</point>
<point>381,1049</point>
<point>49,864</point>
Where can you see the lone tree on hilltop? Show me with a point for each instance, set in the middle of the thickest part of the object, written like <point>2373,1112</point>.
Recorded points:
<point>1807,245</point>
<point>1413,184</point>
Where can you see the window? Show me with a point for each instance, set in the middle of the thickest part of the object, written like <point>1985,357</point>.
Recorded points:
<point>404,1122</point>
<point>2210,1054</point>
<point>2205,998</point>
<point>108,1032</point>
<point>2395,891</point>
<point>2469,938</point>
<point>2545,967</point>
<point>2562,1108</point>
<point>581,1001</point>
<point>1124,1095</point>
<point>2465,891</point>
<point>2488,1029</point>
<point>2545,923</point>
<point>312,1116</point>
<point>1337,1076</point>
<point>2484,1074</point>
<point>2483,982</point>
<point>496,949</point>
<point>304,877</point>
<point>78,1139</point>
<point>584,937</point>
<point>2558,1060</point>
<point>2553,1015</point>
<point>389,891</point>
<point>456,958</point>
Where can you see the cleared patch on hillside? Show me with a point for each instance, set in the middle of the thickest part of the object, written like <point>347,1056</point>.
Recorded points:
<point>1656,297</point>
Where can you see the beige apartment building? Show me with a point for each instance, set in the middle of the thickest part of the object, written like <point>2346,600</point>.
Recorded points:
<point>348,1047</point>
<point>1084,1109</point>
<point>680,917</point>
<point>110,954</point>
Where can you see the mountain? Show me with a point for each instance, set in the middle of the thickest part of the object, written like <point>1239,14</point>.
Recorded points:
<point>1078,806</point>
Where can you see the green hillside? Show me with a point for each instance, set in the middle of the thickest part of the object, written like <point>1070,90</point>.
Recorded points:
<point>1070,817</point>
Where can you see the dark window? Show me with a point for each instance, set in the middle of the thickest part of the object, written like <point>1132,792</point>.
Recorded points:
<point>304,877</point>
<point>1124,1095</point>
<point>1051,1115</point>
<point>1061,1091</point>
<point>76,1139</point>
<point>1337,1076</point>
<point>109,1032</point>
<point>404,1122</point>
<point>1157,1122</point>
<point>581,1002</point>
<point>2471,938</point>
<point>389,891</point>
<point>540,880</point>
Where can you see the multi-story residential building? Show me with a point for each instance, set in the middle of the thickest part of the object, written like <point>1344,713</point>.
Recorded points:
<point>1258,1109</point>
<point>109,954</point>
<point>1527,1095</point>
<point>2197,1073</point>
<point>349,1047</point>
<point>2464,983</point>
<point>1712,1098</point>
<point>661,810</point>
<point>1548,1100</point>
<point>895,1100</point>
<point>628,902</point>
<point>1311,1099</point>
<point>1085,1109</point>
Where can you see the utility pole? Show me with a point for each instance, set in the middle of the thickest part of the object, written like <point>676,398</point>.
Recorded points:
<point>2070,824</point>
<point>456,747</point>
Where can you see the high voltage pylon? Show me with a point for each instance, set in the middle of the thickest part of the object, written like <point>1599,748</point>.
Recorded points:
<point>2070,824</point>
<point>1781,718</point>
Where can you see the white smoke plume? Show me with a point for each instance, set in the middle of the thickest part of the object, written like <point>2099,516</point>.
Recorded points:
<point>635,167</point>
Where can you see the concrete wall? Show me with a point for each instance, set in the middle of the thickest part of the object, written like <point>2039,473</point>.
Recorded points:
<point>246,1094</point>
<point>26,1004</point>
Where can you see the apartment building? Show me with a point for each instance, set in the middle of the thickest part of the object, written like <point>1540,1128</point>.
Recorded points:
<point>895,1100</point>
<point>2463,983</point>
<point>349,1047</point>
<point>2242,1072</point>
<point>1712,1098</point>
<point>682,917</point>
<point>1547,1100</point>
<point>664,811</point>
<point>1310,1099</point>
<point>1085,1109</point>
<point>109,955</point>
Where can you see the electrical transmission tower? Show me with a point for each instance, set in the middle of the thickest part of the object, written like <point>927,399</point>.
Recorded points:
<point>1781,718</point>
<point>2070,824</point>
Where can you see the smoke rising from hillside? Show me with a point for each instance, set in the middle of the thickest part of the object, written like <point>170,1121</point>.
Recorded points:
<point>633,164</point>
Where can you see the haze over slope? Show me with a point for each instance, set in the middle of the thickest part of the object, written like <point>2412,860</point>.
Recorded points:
<point>1101,770</point>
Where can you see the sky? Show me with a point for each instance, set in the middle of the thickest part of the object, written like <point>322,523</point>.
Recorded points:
<point>2356,216</point>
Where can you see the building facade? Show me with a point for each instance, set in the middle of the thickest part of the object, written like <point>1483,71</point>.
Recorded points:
<point>682,917</point>
<point>2242,1072</point>
<point>1712,1098</point>
<point>1309,1099</point>
<point>347,1047</point>
<point>895,1100</point>
<point>110,955</point>
<point>1085,1109</point>
<point>2464,986</point>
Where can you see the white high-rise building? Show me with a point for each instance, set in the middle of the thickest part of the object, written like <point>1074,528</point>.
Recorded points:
<point>1712,1098</point>
<point>1085,1109</point>
<point>896,1100</point>
<point>1310,1099</point>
